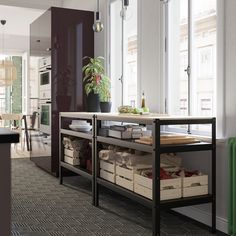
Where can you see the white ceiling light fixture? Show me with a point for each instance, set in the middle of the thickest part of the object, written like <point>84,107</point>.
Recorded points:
<point>8,71</point>
<point>98,25</point>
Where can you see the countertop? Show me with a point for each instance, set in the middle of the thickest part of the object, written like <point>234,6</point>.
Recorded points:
<point>145,119</point>
<point>8,136</point>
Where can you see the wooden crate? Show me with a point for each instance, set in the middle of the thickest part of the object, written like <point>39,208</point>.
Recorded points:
<point>107,170</point>
<point>107,176</point>
<point>195,186</point>
<point>72,161</point>
<point>125,175</point>
<point>108,166</point>
<point>70,153</point>
<point>125,183</point>
<point>170,188</point>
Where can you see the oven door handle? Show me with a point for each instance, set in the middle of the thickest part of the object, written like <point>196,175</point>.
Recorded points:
<point>45,69</point>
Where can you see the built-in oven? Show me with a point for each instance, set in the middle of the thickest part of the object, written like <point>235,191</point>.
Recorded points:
<point>45,78</point>
<point>45,116</point>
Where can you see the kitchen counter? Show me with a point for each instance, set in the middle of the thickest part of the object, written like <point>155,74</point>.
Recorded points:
<point>6,138</point>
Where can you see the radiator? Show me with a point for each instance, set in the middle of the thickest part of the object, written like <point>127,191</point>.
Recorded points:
<point>232,186</point>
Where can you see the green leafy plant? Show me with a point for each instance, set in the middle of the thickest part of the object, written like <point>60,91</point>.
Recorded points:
<point>95,79</point>
<point>105,89</point>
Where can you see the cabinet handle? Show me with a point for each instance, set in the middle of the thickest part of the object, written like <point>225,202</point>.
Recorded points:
<point>48,49</point>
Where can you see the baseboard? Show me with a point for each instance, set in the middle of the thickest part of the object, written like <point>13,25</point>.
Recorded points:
<point>204,217</point>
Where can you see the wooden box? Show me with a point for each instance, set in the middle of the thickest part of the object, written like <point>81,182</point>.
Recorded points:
<point>70,153</point>
<point>170,188</point>
<point>125,175</point>
<point>72,161</point>
<point>107,170</point>
<point>195,186</point>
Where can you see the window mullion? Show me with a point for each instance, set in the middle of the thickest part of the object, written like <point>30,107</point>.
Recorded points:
<point>189,55</point>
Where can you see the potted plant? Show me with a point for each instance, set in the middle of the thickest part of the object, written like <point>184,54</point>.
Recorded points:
<point>105,94</point>
<point>97,84</point>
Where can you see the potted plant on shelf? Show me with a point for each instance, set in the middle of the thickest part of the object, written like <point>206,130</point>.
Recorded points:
<point>97,84</point>
<point>105,94</point>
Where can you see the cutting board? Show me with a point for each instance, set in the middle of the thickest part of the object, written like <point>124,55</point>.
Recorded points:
<point>169,139</point>
<point>178,140</point>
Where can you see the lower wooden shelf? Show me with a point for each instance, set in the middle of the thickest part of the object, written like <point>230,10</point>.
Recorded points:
<point>77,169</point>
<point>165,204</point>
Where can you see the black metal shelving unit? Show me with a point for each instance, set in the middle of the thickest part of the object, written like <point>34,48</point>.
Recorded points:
<point>156,149</point>
<point>66,132</point>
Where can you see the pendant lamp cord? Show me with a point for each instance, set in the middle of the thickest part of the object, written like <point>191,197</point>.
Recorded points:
<point>98,7</point>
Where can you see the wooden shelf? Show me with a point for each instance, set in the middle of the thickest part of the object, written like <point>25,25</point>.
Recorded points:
<point>77,134</point>
<point>156,149</point>
<point>165,204</point>
<point>77,169</point>
<point>125,143</point>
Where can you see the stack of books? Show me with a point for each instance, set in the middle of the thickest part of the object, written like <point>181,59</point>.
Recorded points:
<point>128,131</point>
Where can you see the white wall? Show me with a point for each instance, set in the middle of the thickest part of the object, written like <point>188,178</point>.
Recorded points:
<point>202,161</point>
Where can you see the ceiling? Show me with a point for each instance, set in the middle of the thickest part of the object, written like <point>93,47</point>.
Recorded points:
<point>36,4</point>
<point>19,14</point>
<point>18,19</point>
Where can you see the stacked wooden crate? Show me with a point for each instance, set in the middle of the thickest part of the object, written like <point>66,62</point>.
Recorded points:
<point>194,186</point>
<point>130,177</point>
<point>107,170</point>
<point>71,157</point>
<point>170,188</point>
<point>125,175</point>
<point>71,151</point>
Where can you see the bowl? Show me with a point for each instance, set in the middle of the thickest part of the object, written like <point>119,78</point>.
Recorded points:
<point>79,122</point>
<point>82,128</point>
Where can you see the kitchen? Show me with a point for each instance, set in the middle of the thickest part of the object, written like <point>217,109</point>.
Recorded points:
<point>150,49</point>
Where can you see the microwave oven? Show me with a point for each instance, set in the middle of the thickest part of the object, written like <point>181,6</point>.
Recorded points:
<point>45,78</point>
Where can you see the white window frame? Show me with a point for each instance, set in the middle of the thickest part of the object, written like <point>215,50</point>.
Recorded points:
<point>220,64</point>
<point>108,37</point>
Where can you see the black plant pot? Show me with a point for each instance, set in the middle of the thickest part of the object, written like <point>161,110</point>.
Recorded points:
<point>93,104</point>
<point>105,106</point>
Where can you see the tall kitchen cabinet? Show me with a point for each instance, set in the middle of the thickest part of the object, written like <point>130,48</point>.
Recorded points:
<point>66,36</point>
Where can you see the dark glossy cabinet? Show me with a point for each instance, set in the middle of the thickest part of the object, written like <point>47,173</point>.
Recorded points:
<point>67,36</point>
<point>40,35</point>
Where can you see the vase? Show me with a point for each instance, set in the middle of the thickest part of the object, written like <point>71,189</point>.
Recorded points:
<point>93,104</point>
<point>105,106</point>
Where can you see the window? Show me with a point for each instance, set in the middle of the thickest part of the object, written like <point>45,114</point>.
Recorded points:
<point>11,95</point>
<point>123,53</point>
<point>191,53</point>
<point>205,62</point>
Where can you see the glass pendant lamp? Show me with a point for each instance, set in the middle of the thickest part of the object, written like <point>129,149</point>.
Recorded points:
<point>98,25</point>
